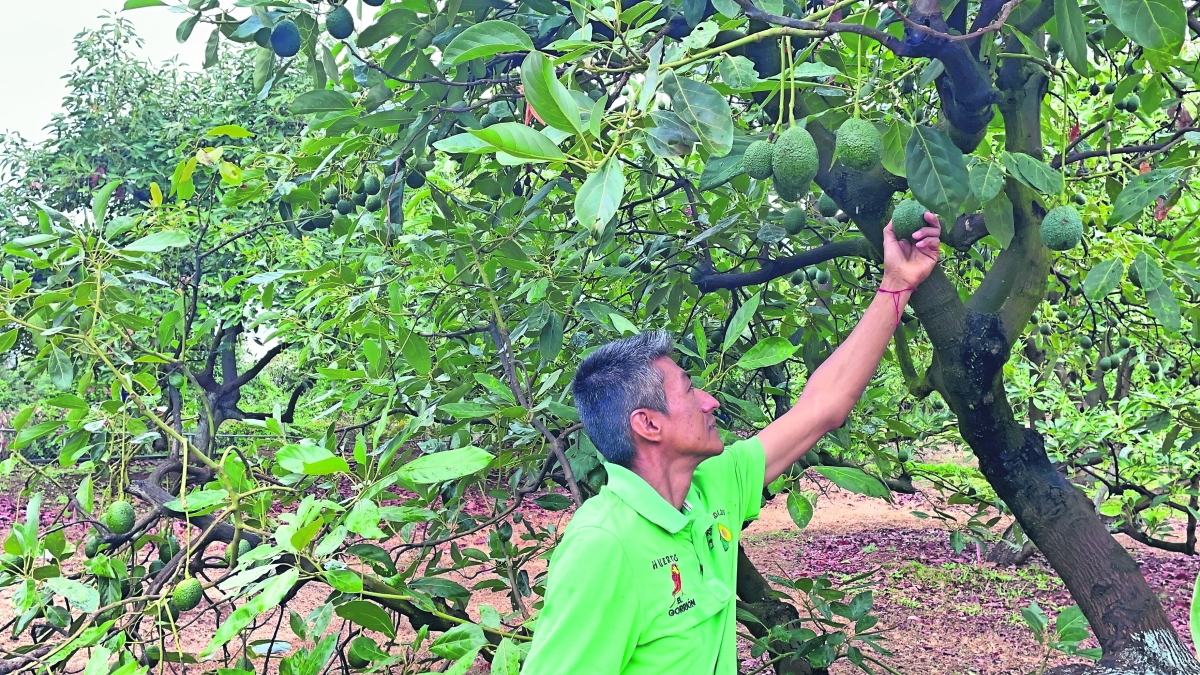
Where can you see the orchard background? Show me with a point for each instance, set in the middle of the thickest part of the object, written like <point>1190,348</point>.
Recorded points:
<point>313,313</point>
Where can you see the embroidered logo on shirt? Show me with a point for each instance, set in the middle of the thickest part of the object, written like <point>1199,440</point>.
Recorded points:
<point>662,562</point>
<point>708,537</point>
<point>676,579</point>
<point>726,536</point>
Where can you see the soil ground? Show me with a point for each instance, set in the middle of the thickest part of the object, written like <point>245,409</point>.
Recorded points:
<point>943,613</point>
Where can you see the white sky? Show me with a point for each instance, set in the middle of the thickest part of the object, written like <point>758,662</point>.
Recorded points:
<point>36,48</point>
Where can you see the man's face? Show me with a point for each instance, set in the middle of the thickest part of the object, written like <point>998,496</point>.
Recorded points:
<point>689,428</point>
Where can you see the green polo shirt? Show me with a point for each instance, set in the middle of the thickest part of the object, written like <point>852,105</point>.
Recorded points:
<point>637,586</point>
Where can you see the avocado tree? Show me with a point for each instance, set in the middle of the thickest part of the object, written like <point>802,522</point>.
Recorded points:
<point>482,191</point>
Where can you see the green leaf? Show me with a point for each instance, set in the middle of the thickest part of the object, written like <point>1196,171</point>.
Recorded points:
<point>458,641</point>
<point>549,98</point>
<point>998,214</point>
<point>1140,193</point>
<point>390,23</point>
<point>799,508</point>
<point>60,369</point>
<point>704,109</point>
<point>1072,34</point>
<point>321,101</point>
<point>138,4</point>
<point>230,130</point>
<point>721,170</point>
<point>241,618</point>
<point>766,353</point>
<point>485,39</point>
<point>1164,307</point>
<point>1102,279</point>
<point>83,598</point>
<point>936,171</point>
<point>1034,173</point>
<point>895,139</point>
<point>198,501</point>
<point>367,615</point>
<point>853,480</point>
<point>1070,619</point>
<point>520,141</point>
<point>416,352</point>
<point>737,71</point>
<point>70,401</point>
<point>1154,24</point>
<point>1147,271</point>
<point>100,201</point>
<point>159,241</point>
<point>550,340</point>
<point>310,460</point>
<point>553,502</point>
<point>468,410</point>
<point>465,143</point>
<point>506,661</point>
<point>987,179</point>
<point>8,339</point>
<point>448,465</point>
<point>741,319</point>
<point>597,200</point>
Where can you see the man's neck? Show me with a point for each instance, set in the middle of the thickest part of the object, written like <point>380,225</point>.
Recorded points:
<point>670,477</point>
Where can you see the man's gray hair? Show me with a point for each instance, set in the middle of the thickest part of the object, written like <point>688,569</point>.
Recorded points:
<point>615,380</point>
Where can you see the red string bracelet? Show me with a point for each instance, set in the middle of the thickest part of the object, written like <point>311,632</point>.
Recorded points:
<point>896,299</point>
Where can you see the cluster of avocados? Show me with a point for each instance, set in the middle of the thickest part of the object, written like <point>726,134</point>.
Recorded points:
<point>792,160</point>
<point>284,38</point>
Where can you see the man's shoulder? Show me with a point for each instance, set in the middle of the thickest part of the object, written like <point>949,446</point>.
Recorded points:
<point>719,467</point>
<point>603,514</point>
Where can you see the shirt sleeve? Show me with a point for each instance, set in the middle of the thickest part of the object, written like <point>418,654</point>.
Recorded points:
<point>588,621</point>
<point>737,474</point>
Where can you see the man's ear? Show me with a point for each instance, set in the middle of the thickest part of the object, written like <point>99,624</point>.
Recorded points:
<point>646,425</point>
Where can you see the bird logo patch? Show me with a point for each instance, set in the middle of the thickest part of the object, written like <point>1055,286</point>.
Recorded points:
<point>676,579</point>
<point>726,536</point>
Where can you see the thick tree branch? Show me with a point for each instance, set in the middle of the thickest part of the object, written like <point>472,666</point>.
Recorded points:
<point>858,247</point>
<point>255,369</point>
<point>968,229</point>
<point>1147,149</point>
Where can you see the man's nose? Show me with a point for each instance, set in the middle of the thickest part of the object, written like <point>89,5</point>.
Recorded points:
<point>708,403</point>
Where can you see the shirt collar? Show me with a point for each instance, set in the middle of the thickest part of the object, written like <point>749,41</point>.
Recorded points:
<point>637,493</point>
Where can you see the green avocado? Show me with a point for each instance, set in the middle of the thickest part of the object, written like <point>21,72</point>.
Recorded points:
<point>827,206</point>
<point>285,38</point>
<point>1062,228</point>
<point>1085,342</point>
<point>345,206</point>
<point>908,217</point>
<point>374,203</point>
<point>423,39</point>
<point>1132,103</point>
<point>415,180</point>
<point>624,260</point>
<point>487,120</point>
<point>757,160</point>
<point>371,184</point>
<point>1153,367</point>
<point>243,549</point>
<point>1061,316</point>
<point>331,196</point>
<point>168,548</point>
<point>187,594</point>
<point>359,198</point>
<point>120,517</point>
<point>1045,329</point>
<point>339,23</point>
<point>794,220</point>
<point>858,145</point>
<point>799,278</point>
<point>795,161</point>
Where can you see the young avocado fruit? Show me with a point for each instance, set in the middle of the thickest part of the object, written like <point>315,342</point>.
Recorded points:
<point>187,594</point>
<point>858,144</point>
<point>798,278</point>
<point>908,217</point>
<point>1123,343</point>
<point>371,184</point>
<point>168,548</point>
<point>120,517</point>
<point>92,548</point>
<point>359,198</point>
<point>1132,103</point>
<point>243,549</point>
<point>285,38</point>
<point>826,206</point>
<point>1080,198</point>
<point>374,203</point>
<point>1105,364</point>
<point>1045,329</point>
<point>822,277</point>
<point>414,180</point>
<point>331,196</point>
<point>1110,88</point>
<point>339,23</point>
<point>812,273</point>
<point>1153,367</point>
<point>794,220</point>
<point>757,160</point>
<point>345,206</point>
<point>624,259</point>
<point>1062,228</point>
<point>1085,342</point>
<point>795,160</point>
<point>423,39</point>
<point>695,275</point>
<point>1094,90</point>
<point>487,120</point>
<point>1061,316</point>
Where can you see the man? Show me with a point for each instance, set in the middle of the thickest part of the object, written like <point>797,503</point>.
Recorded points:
<point>643,580</point>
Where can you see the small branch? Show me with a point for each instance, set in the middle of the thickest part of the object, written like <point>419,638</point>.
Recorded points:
<point>754,13</point>
<point>254,370</point>
<point>1148,149</point>
<point>858,247</point>
<point>967,230</point>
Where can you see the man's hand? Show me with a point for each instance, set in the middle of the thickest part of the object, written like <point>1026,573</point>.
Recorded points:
<point>905,263</point>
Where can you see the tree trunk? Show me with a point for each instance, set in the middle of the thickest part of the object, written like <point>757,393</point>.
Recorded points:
<point>755,596</point>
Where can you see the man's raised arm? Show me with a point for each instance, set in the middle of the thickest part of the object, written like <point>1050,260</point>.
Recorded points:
<point>836,386</point>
